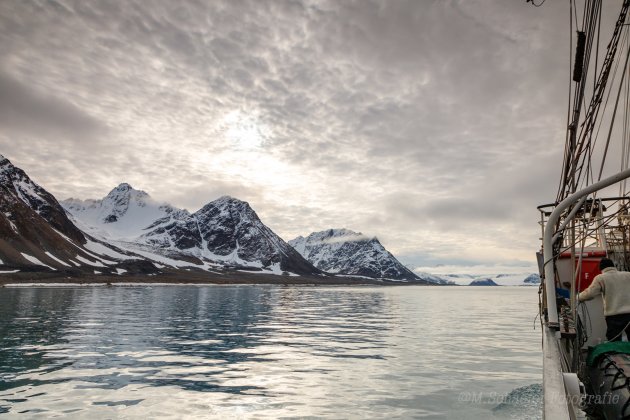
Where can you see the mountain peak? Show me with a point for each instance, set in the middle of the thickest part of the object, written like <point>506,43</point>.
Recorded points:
<point>229,205</point>
<point>123,186</point>
<point>338,235</point>
<point>228,199</point>
<point>126,190</point>
<point>341,232</point>
<point>5,164</point>
<point>18,187</point>
<point>118,202</point>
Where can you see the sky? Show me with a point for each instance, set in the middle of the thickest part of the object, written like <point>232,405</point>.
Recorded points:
<point>436,125</point>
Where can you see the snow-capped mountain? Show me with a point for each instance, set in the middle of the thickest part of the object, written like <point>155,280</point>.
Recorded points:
<point>37,236</point>
<point>483,282</point>
<point>18,186</point>
<point>226,231</point>
<point>342,251</point>
<point>122,215</point>
<point>515,279</point>
<point>532,279</point>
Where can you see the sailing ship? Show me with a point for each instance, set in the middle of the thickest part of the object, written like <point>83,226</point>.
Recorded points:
<point>584,376</point>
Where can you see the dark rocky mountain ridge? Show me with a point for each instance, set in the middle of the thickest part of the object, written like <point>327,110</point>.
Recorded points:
<point>342,251</point>
<point>227,229</point>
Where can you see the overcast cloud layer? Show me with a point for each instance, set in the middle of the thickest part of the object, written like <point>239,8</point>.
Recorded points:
<point>435,125</point>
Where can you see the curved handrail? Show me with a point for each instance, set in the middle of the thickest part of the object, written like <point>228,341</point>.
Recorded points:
<point>550,289</point>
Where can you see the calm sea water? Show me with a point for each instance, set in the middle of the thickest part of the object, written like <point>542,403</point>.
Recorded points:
<point>269,352</point>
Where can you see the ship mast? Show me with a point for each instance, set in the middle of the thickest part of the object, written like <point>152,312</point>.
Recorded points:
<point>583,220</point>
<point>582,134</point>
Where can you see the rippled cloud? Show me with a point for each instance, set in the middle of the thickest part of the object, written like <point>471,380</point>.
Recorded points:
<point>428,124</point>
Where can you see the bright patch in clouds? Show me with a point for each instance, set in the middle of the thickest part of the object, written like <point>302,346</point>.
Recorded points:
<point>245,131</point>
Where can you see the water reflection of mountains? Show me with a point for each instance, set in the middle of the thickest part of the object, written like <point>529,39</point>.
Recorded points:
<point>196,338</point>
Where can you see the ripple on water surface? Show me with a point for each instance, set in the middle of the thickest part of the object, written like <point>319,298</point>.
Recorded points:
<point>269,352</point>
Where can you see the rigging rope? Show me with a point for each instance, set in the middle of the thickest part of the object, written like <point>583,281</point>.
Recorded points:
<point>574,150</point>
<point>578,150</point>
<point>625,145</point>
<point>614,114</point>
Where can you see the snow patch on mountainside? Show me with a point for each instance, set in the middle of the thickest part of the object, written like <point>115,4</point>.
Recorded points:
<point>34,260</point>
<point>101,249</point>
<point>88,262</point>
<point>161,259</point>
<point>57,259</point>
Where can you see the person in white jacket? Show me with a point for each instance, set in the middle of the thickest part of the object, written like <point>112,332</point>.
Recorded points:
<point>615,287</point>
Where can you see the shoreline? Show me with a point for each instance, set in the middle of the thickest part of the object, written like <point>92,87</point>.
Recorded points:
<point>175,277</point>
<point>174,284</point>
